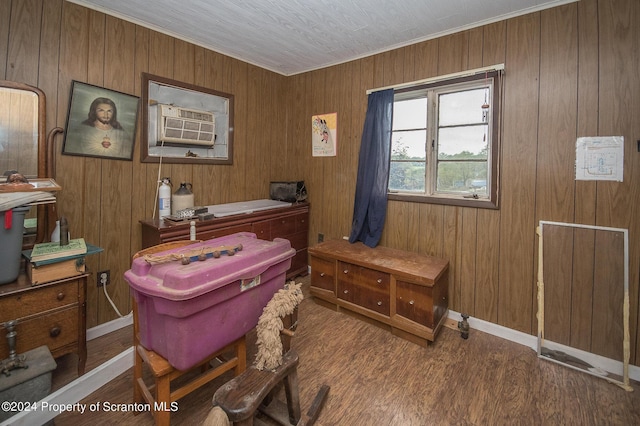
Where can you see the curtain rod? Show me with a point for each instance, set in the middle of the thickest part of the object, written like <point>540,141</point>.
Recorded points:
<point>466,73</point>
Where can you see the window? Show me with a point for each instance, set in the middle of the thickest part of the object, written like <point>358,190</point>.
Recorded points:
<point>444,146</point>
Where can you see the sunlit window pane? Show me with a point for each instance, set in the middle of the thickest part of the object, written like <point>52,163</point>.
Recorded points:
<point>410,114</point>
<point>407,176</point>
<point>461,107</point>
<point>463,176</point>
<point>408,145</point>
<point>463,142</point>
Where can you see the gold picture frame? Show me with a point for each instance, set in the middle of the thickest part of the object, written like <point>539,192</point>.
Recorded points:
<point>100,123</point>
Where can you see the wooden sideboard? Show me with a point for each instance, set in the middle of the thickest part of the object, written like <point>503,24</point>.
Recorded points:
<point>402,291</point>
<point>291,223</point>
<point>52,314</point>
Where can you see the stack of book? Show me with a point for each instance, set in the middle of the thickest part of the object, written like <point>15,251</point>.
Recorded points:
<point>51,261</point>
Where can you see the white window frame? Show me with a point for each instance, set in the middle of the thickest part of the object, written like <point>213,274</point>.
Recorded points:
<point>431,89</point>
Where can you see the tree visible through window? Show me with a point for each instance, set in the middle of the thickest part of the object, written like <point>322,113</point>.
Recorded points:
<point>445,142</point>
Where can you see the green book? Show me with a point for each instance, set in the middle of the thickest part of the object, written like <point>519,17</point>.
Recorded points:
<point>48,251</point>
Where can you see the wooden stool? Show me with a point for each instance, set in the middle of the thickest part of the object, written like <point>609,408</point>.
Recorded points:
<point>159,395</point>
<point>242,396</point>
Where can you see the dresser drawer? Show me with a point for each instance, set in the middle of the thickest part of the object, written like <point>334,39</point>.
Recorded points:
<point>38,299</point>
<point>364,287</point>
<point>298,240</point>
<point>363,276</point>
<point>208,235</point>
<point>299,261</point>
<point>322,273</point>
<point>56,330</point>
<point>415,302</point>
<point>283,226</point>
<point>262,229</point>
<point>302,222</point>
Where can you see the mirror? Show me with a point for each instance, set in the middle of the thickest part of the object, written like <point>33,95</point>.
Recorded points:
<point>184,123</point>
<point>23,144</point>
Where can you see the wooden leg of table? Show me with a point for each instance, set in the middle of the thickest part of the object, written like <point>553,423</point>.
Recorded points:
<point>163,400</point>
<point>137,374</point>
<point>82,361</point>
<point>241,353</point>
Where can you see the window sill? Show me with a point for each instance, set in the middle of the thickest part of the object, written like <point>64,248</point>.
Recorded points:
<point>481,203</point>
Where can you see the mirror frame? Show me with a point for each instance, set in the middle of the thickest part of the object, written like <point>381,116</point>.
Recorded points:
<point>185,90</point>
<point>42,150</point>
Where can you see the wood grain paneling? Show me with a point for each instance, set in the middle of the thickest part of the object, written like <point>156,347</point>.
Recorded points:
<point>587,113</point>
<point>488,221</point>
<point>5,17</point>
<point>23,48</point>
<point>557,126</point>
<point>140,170</point>
<point>559,264</point>
<point>582,302</point>
<point>241,139</point>
<point>618,203</point>
<point>608,296</point>
<point>517,223</point>
<point>570,71</point>
<point>468,259</point>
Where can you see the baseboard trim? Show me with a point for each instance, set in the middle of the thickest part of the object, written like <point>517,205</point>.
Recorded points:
<point>71,394</point>
<point>532,342</point>
<point>111,326</point>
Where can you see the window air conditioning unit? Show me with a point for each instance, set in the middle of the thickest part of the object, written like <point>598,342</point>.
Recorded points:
<point>179,126</point>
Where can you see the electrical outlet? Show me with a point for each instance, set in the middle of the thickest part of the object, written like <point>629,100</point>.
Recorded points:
<point>320,238</point>
<point>104,278</point>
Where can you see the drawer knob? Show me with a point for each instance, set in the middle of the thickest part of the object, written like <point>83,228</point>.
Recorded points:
<point>379,280</point>
<point>322,274</point>
<point>60,296</point>
<point>379,303</point>
<point>55,331</point>
<point>346,271</point>
<point>346,291</point>
<point>411,302</point>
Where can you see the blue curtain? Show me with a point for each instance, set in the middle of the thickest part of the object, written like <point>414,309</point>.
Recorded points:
<point>370,207</point>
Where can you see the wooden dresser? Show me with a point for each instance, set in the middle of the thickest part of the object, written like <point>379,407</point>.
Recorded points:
<point>52,314</point>
<point>402,291</point>
<point>291,223</point>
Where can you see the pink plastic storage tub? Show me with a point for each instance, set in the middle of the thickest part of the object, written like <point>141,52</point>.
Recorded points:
<point>187,312</point>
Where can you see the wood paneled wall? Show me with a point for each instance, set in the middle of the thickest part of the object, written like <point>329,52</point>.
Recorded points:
<point>570,71</point>
<point>50,43</point>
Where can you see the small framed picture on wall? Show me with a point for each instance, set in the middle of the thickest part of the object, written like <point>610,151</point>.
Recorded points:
<point>324,129</point>
<point>100,123</point>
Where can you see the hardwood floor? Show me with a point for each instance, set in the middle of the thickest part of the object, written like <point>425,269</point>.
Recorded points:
<point>379,379</point>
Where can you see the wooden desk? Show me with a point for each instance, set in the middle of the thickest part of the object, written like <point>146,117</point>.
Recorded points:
<point>291,223</point>
<point>402,291</point>
<point>52,314</point>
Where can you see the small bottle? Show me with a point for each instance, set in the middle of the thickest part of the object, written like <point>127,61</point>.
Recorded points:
<point>55,235</point>
<point>64,232</point>
<point>192,230</point>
